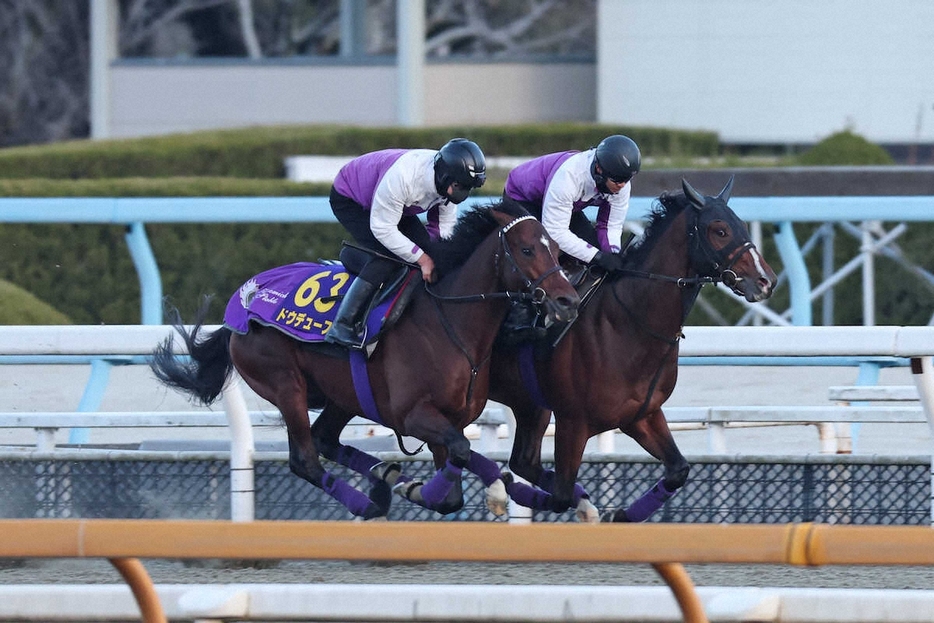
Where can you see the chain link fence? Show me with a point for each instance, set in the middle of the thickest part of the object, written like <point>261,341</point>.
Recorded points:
<point>827,489</point>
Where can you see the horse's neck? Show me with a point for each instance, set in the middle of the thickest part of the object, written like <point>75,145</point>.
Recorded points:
<point>656,302</point>
<point>669,254</point>
<point>475,322</point>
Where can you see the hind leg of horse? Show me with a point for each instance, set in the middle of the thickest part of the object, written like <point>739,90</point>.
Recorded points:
<point>325,432</point>
<point>653,434</point>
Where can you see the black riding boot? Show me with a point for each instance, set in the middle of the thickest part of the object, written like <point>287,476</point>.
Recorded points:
<point>521,325</point>
<point>347,329</point>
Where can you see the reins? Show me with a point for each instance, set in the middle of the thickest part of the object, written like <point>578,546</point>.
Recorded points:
<point>726,276</point>
<point>532,291</point>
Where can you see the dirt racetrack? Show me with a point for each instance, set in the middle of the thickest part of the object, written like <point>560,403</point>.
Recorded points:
<point>92,571</point>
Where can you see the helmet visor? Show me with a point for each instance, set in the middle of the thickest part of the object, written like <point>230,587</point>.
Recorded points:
<point>624,179</point>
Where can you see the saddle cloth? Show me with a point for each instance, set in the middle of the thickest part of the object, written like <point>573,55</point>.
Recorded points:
<point>301,300</point>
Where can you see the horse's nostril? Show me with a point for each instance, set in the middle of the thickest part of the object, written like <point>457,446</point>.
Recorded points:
<point>568,302</point>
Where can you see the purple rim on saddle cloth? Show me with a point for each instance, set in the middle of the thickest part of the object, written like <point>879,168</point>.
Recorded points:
<point>301,300</point>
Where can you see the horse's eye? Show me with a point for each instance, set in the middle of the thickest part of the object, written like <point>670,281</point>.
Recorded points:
<point>527,251</point>
<point>722,232</point>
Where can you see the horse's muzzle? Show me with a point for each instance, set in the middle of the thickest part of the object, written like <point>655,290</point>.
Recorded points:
<point>561,309</point>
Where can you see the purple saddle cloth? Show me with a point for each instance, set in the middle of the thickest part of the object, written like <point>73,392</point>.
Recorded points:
<point>301,300</point>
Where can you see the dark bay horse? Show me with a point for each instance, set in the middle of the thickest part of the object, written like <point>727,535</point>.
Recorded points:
<point>618,363</point>
<point>428,376</point>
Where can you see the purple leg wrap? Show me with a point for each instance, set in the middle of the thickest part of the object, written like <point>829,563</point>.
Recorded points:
<point>651,501</point>
<point>529,496</point>
<point>355,501</point>
<point>358,461</point>
<point>547,482</point>
<point>435,490</point>
<point>487,470</point>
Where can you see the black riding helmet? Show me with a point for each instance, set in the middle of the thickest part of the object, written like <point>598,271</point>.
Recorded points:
<point>618,158</point>
<point>459,162</point>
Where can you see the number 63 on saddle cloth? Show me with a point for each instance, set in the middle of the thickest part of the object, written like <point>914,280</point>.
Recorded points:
<point>301,300</point>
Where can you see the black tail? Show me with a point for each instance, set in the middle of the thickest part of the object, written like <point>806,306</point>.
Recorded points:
<point>206,374</point>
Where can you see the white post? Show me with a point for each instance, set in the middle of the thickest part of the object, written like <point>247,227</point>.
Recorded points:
<point>410,43</point>
<point>242,503</point>
<point>716,438</point>
<point>45,439</point>
<point>104,26</point>
<point>922,371</point>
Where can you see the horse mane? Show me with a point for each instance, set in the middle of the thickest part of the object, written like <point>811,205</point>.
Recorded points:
<point>472,228</point>
<point>664,211</point>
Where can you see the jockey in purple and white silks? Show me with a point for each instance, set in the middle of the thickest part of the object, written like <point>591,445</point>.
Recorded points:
<point>556,188</point>
<point>378,196</point>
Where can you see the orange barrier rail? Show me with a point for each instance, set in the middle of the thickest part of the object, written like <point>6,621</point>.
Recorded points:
<point>665,546</point>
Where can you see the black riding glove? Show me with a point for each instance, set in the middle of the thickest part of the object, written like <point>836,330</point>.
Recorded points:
<point>607,261</point>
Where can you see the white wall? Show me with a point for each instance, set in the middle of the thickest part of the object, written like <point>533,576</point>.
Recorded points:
<point>789,71</point>
<point>156,98</point>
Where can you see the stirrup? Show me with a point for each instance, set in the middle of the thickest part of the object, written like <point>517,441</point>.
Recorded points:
<point>344,336</point>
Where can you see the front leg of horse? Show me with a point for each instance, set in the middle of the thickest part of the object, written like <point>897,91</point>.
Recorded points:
<point>653,434</point>
<point>571,437</point>
<point>525,460</point>
<point>492,477</point>
<point>444,493</point>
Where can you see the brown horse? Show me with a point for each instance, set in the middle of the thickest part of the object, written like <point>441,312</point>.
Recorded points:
<point>618,363</point>
<point>428,376</point>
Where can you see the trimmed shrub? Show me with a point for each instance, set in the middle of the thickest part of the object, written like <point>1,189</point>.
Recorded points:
<point>17,306</point>
<point>845,148</point>
<point>261,152</point>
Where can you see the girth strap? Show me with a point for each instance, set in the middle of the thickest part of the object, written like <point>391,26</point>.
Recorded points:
<point>361,385</point>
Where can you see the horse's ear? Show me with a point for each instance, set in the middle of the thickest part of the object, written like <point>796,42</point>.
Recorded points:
<point>727,190</point>
<point>693,196</point>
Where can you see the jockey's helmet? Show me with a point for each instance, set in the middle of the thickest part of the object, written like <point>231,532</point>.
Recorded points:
<point>459,163</point>
<point>618,158</point>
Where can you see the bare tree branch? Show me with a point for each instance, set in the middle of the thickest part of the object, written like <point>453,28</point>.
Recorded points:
<point>245,8</point>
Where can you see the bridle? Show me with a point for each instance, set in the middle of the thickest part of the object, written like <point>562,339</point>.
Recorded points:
<point>712,266</point>
<point>718,265</point>
<point>531,290</point>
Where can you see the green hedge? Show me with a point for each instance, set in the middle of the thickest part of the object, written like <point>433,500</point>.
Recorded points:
<point>160,187</point>
<point>260,152</point>
<point>86,272</point>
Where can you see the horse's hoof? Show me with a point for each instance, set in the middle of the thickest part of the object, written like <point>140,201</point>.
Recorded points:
<point>410,490</point>
<point>496,498</point>
<point>387,472</point>
<point>617,516</point>
<point>381,496</point>
<point>507,478</point>
<point>587,512</point>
